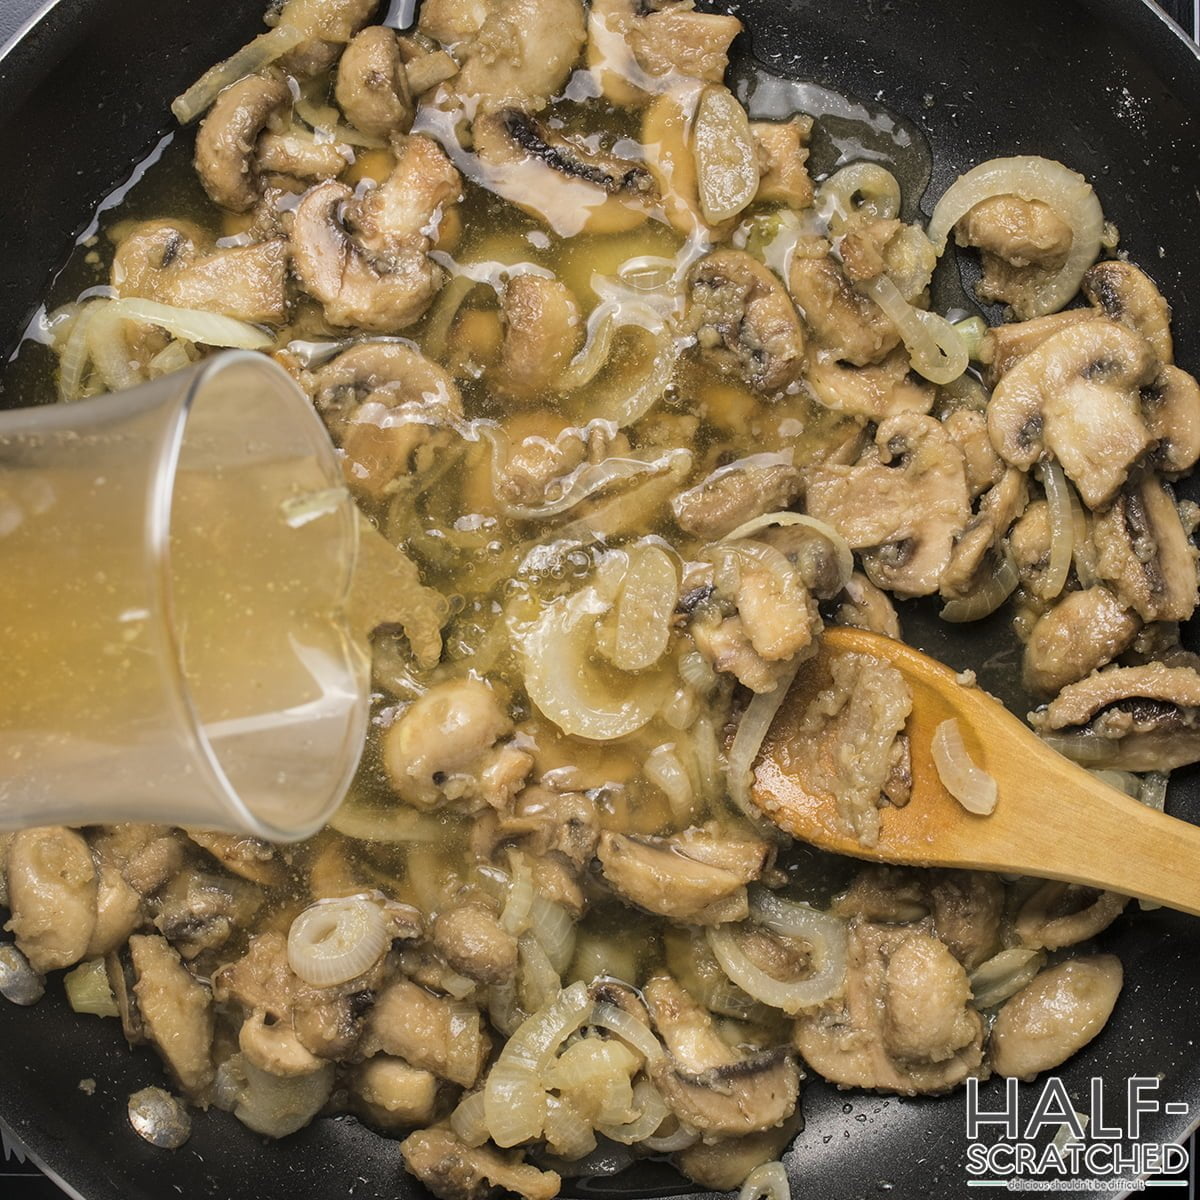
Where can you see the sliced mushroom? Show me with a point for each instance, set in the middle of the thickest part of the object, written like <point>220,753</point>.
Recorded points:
<point>508,49</point>
<point>118,911</point>
<point>176,1011</point>
<point>707,1084</point>
<point>1078,396</point>
<point>372,85</point>
<point>52,895</point>
<point>783,149</point>
<point>735,493</point>
<point>250,858</point>
<point>841,319</point>
<point>723,1166</point>
<point>725,642</point>
<point>904,1024</point>
<point>560,180</point>
<point>693,877</point>
<point>638,50</point>
<point>867,607</point>
<point>174,262</point>
<point>1005,345</point>
<point>454,1171</point>
<point>1048,1020</point>
<point>471,939</point>
<point>976,548</point>
<point>199,912</point>
<point>1085,631</point>
<point>273,1046</point>
<point>1130,718</point>
<point>393,1095</point>
<point>969,430</point>
<point>329,24</point>
<point>1145,554</point>
<point>1064,914</point>
<point>903,503</point>
<point>543,330</point>
<point>1171,410</point>
<point>225,143</point>
<point>875,392</point>
<point>299,155</point>
<point>366,258</point>
<point>273,1105</point>
<point>146,855</point>
<point>744,321</point>
<point>1127,295</point>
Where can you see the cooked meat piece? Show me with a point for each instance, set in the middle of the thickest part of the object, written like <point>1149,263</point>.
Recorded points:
<point>453,1171</point>
<point>508,49</point>
<point>392,1095</point>
<point>969,430</point>
<point>640,49</point>
<point>1064,914</point>
<point>1171,410</point>
<point>248,857</point>
<point>436,1034</point>
<point>778,615</point>
<point>708,1084</point>
<point>744,321</point>
<point>1005,345</point>
<point>1125,294</point>
<point>273,1046</point>
<point>1130,718</point>
<point>475,944</point>
<point>118,911</point>
<point>903,503</point>
<point>446,746</point>
<point>726,644</point>
<point>146,855</point>
<point>875,246</point>
<point>365,258</point>
<point>736,493</point>
<point>842,320</point>
<point>867,607</point>
<point>907,1028</point>
<point>543,822</point>
<point>875,392</point>
<point>1145,554</point>
<point>1048,1020</point>
<point>694,877</point>
<point>783,155</point>
<point>542,332</point>
<point>330,24</point>
<point>1078,395</point>
<point>176,1011</point>
<point>1030,545</point>
<point>1021,243</point>
<point>175,262</point>
<point>1082,632</point>
<point>723,1166</point>
<point>372,85</point>
<point>225,144</point>
<point>52,895</point>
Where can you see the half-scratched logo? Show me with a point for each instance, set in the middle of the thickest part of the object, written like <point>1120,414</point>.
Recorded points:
<point>1052,1146</point>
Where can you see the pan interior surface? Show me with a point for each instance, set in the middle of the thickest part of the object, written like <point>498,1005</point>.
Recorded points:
<point>1105,87</point>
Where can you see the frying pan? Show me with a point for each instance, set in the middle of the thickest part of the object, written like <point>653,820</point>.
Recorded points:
<point>1107,85</point>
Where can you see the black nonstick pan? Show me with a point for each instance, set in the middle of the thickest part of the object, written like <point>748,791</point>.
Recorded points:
<point>1108,86</point>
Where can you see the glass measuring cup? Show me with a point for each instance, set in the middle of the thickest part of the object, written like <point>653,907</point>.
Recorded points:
<point>174,564</point>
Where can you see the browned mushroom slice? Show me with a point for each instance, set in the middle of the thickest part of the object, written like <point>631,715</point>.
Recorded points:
<point>903,503</point>
<point>744,321</point>
<point>693,877</point>
<point>904,1024</point>
<point>1084,631</point>
<point>707,1083</point>
<point>454,1171</point>
<point>1078,396</point>
<point>118,911</point>
<point>372,85</point>
<point>1005,345</point>
<point>543,330</point>
<point>1125,294</point>
<point>174,262</point>
<point>867,607</point>
<point>1064,914</point>
<point>471,939</point>
<point>876,392</point>
<point>735,493</point>
<point>1171,410</point>
<point>1048,1020</point>
<point>1131,718</point>
<point>1145,554</point>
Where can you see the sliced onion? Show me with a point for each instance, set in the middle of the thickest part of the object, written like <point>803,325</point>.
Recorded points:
<point>663,769</point>
<point>841,547</point>
<point>554,930</point>
<point>1083,748</point>
<point>467,1120</point>
<point>766,1182</point>
<point>597,347</point>
<point>628,1028</point>
<point>518,905</point>
<point>109,351</point>
<point>876,186</point>
<point>936,351</point>
<point>988,597</point>
<point>1083,552</point>
<point>748,740</point>
<point>539,982</point>
<point>1029,177</point>
<point>193,324</point>
<point>1123,781</point>
<point>652,1111</point>
<point>334,941</point>
<point>1153,790</point>
<point>75,353</point>
<point>567,1134</point>
<point>396,825</point>
<point>974,789</point>
<point>972,330</point>
<point>824,934</point>
<point>1004,975</point>
<point>514,1098</point>
<point>251,58</point>
<point>683,1137</point>
<point>323,119</point>
<point>614,399</point>
<point>1062,531</point>
<point>645,608</point>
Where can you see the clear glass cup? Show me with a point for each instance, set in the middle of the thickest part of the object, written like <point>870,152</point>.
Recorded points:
<point>175,561</point>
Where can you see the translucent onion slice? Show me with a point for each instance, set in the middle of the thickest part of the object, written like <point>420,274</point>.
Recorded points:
<point>554,930</point>
<point>1029,177</point>
<point>748,740</point>
<point>467,1120</point>
<point>514,1096</point>
<point>109,351</point>
<point>974,789</point>
<point>334,941</point>
<point>767,1182</point>
<point>663,768</point>
<point>988,597</point>
<point>1062,531</point>
<point>1004,975</point>
<point>862,187</point>
<point>396,825</point>
<point>645,608</point>
<point>75,354</point>
<point>841,548</point>
<point>628,1028</point>
<point>936,350</point>
<point>614,399</point>
<point>323,119</point>
<point>652,1111</point>
<point>192,324</point>
<point>1153,789</point>
<point>567,1134</point>
<point>681,1138</point>
<point>538,981</point>
<point>726,155</point>
<point>1084,553</point>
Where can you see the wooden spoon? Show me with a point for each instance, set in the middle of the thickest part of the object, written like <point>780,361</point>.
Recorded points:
<point>1052,819</point>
